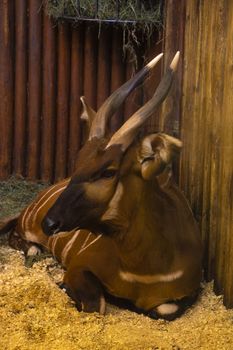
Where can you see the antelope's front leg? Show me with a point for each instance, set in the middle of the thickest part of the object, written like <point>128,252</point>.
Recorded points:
<point>85,289</point>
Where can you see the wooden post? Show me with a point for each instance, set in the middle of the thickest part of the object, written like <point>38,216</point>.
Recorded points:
<point>34,89</point>
<point>6,88</point>
<point>76,90</point>
<point>173,41</point>
<point>134,101</point>
<point>62,101</point>
<point>90,66</point>
<point>117,74</point>
<point>175,11</point>
<point>20,114</point>
<point>104,65</point>
<point>49,100</point>
<point>151,83</point>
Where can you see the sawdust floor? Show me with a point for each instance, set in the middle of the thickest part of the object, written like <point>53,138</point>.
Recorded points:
<point>36,314</point>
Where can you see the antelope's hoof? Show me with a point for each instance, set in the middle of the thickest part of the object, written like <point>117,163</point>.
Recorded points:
<point>168,311</point>
<point>87,305</point>
<point>94,306</point>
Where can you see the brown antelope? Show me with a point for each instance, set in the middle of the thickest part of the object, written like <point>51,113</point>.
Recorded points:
<point>124,225</point>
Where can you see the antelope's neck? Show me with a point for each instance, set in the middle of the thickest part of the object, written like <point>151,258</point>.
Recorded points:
<point>158,222</point>
<point>146,236</point>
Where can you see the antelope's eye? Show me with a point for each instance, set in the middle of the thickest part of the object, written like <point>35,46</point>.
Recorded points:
<point>108,173</point>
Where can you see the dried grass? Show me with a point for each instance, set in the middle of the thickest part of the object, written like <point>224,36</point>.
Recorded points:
<point>148,12</point>
<point>16,193</point>
<point>138,23</point>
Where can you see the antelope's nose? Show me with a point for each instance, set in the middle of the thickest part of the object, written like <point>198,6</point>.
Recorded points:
<point>49,226</point>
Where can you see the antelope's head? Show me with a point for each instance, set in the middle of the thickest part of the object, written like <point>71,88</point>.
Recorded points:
<point>111,173</point>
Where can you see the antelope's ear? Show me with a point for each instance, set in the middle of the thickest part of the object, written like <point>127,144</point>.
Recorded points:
<point>156,152</point>
<point>88,114</point>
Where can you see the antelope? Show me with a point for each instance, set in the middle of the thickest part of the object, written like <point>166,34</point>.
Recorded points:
<point>120,224</point>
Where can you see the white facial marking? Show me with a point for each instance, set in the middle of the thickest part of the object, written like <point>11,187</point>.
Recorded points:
<point>167,309</point>
<point>148,279</point>
<point>68,247</point>
<point>112,210</point>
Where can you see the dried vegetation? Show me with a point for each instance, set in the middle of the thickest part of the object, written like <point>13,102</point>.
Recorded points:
<point>121,10</point>
<point>36,314</point>
<point>137,19</point>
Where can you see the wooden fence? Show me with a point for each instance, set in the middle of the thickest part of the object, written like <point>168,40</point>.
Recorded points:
<point>206,127</point>
<point>44,69</point>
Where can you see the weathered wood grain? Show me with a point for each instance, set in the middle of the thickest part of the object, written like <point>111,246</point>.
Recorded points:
<point>63,94</point>
<point>6,88</point>
<point>34,88</point>
<point>76,90</point>
<point>20,112</point>
<point>49,82</point>
<point>117,73</point>
<point>207,133</point>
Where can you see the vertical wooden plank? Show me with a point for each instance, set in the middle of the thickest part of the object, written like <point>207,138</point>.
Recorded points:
<point>174,41</point>
<point>207,132</point>
<point>34,89</point>
<point>20,87</point>
<point>49,100</point>
<point>224,271</point>
<point>207,38</point>
<point>192,119</point>
<point>195,166</point>
<point>117,74</point>
<point>6,88</point>
<point>169,118</point>
<point>228,283</point>
<point>62,101</point>
<point>134,100</point>
<point>194,125</point>
<point>76,90</point>
<point>104,65</point>
<point>152,82</point>
<point>220,32</point>
<point>90,64</point>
